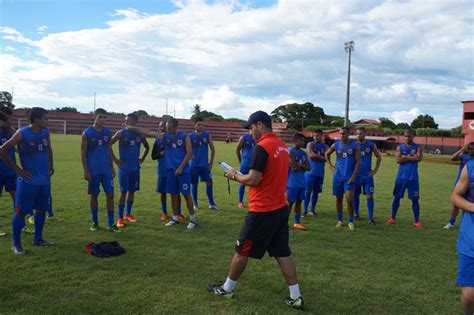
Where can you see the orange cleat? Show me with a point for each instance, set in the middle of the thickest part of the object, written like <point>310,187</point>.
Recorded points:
<point>391,221</point>
<point>241,205</point>
<point>418,225</point>
<point>164,217</point>
<point>130,218</point>
<point>120,223</point>
<point>181,217</point>
<point>299,226</point>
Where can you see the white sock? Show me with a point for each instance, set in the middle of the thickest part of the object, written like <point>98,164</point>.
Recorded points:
<point>229,284</point>
<point>192,218</point>
<point>294,291</point>
<point>175,218</point>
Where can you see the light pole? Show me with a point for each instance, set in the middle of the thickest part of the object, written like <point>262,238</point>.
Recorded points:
<point>349,47</point>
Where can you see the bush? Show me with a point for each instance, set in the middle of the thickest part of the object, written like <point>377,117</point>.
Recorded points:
<point>433,132</point>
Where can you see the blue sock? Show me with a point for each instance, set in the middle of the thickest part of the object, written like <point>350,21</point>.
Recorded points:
<point>307,195</point>
<point>395,206</point>
<point>297,218</point>
<point>452,220</point>
<point>351,219</point>
<point>210,195</point>
<point>339,216</point>
<point>95,216</point>
<point>241,193</point>
<point>179,210</point>
<point>164,208</point>
<point>110,217</point>
<point>416,210</point>
<point>39,225</point>
<point>129,207</point>
<point>120,210</point>
<point>370,208</point>
<point>18,223</point>
<point>356,205</point>
<point>194,191</point>
<point>314,201</point>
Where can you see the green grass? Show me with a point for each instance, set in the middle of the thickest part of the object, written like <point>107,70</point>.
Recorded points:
<point>378,270</point>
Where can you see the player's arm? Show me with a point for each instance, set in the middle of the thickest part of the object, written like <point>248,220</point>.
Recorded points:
<point>146,145</point>
<point>379,160</point>
<point>293,164</point>
<point>327,155</point>
<point>238,149</point>
<point>50,157</point>
<point>257,166</point>
<point>418,156</point>
<point>87,175</point>
<point>457,155</point>
<point>398,156</point>
<point>457,197</point>
<point>187,157</point>
<point>356,166</point>
<point>116,137</point>
<point>313,156</point>
<point>213,152</point>
<point>146,132</point>
<point>11,143</point>
<point>111,160</point>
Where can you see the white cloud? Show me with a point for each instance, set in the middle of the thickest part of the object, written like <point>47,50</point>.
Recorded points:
<point>41,29</point>
<point>406,116</point>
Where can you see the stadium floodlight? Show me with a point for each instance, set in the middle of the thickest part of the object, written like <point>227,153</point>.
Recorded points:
<point>349,47</point>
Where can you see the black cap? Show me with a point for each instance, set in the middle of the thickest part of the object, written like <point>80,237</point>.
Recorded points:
<point>256,117</point>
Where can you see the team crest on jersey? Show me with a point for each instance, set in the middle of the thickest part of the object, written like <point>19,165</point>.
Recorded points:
<point>138,139</point>
<point>32,143</point>
<point>367,150</point>
<point>106,138</point>
<point>413,152</point>
<point>204,140</point>
<point>185,186</point>
<point>349,151</point>
<point>125,139</point>
<point>180,142</point>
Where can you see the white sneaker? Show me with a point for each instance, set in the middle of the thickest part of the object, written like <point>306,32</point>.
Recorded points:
<point>191,225</point>
<point>448,226</point>
<point>196,208</point>
<point>171,223</point>
<point>215,207</point>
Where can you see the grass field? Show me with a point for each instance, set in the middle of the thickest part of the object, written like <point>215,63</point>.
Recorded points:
<point>373,270</point>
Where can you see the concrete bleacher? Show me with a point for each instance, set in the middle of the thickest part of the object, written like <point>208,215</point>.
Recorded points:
<point>75,123</point>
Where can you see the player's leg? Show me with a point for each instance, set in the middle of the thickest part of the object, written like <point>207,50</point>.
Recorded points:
<point>465,280</point>
<point>210,193</point>
<point>369,192</point>
<point>357,192</point>
<point>161,189</point>
<point>349,194</point>
<point>94,190</point>
<point>398,193</point>
<point>184,179</point>
<point>244,169</point>
<point>317,189</point>
<point>467,299</point>
<point>108,186</point>
<point>297,208</point>
<point>43,203</point>
<point>414,195</point>
<point>452,220</point>
<point>194,186</point>
<point>134,186</point>
<point>25,199</point>
<point>338,191</point>
<point>123,176</point>
<point>309,183</point>
<point>173,189</point>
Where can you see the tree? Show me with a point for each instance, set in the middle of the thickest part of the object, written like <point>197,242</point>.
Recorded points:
<point>297,116</point>
<point>457,131</point>
<point>141,112</point>
<point>387,123</point>
<point>402,126</point>
<point>424,121</point>
<point>196,109</point>
<point>66,109</point>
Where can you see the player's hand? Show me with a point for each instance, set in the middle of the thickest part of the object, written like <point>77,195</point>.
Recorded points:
<point>332,168</point>
<point>372,173</point>
<point>87,176</point>
<point>351,180</point>
<point>178,171</point>
<point>142,160</point>
<point>210,166</point>
<point>51,171</point>
<point>119,162</point>
<point>24,173</point>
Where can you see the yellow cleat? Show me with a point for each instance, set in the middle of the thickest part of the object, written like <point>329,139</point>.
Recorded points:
<point>351,226</point>
<point>339,224</point>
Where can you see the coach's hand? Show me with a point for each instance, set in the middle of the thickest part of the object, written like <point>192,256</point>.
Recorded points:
<point>87,176</point>
<point>24,173</point>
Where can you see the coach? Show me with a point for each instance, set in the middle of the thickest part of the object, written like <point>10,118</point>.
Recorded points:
<point>266,224</point>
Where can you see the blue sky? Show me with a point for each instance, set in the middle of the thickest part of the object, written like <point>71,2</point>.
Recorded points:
<point>232,57</point>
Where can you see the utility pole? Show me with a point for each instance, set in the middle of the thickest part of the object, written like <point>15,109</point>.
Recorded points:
<point>349,47</point>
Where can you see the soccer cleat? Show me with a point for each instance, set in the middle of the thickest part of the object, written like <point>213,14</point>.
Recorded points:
<point>371,222</point>
<point>114,229</point>
<point>94,227</point>
<point>304,215</point>
<point>31,219</point>
<point>241,205</point>
<point>43,243</point>
<point>130,218</point>
<point>171,223</point>
<point>120,223</point>
<point>297,303</point>
<point>339,224</point>
<point>18,249</point>
<point>181,217</point>
<point>299,226</point>
<point>214,207</point>
<point>391,221</point>
<point>351,226</point>
<point>164,217</point>
<point>312,213</point>
<point>449,226</point>
<point>29,230</point>
<point>195,207</point>
<point>191,225</point>
<point>418,225</point>
<point>218,289</point>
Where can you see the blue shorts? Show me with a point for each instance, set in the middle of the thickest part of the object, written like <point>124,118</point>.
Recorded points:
<point>339,187</point>
<point>413,187</point>
<point>465,271</point>
<point>129,180</point>
<point>244,169</point>
<point>161,185</point>
<point>202,172</point>
<point>365,185</point>
<point>8,181</point>
<point>178,184</point>
<point>107,182</point>
<point>314,183</point>
<point>294,194</point>
<point>29,197</point>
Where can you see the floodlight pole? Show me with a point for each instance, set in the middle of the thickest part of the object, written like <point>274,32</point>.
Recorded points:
<point>349,47</point>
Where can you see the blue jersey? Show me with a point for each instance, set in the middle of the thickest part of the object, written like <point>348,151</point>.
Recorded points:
<point>175,150</point>
<point>161,165</point>
<point>33,150</point>
<point>247,149</point>
<point>5,134</point>
<point>408,170</point>
<point>317,167</point>
<point>465,157</point>
<point>97,155</point>
<point>366,150</point>
<point>200,145</point>
<point>296,178</point>
<point>129,149</point>
<point>345,159</point>
<point>465,243</point>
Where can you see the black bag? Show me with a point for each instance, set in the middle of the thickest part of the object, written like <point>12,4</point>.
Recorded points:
<point>104,249</point>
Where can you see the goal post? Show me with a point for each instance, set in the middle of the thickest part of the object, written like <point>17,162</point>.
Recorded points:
<point>54,125</point>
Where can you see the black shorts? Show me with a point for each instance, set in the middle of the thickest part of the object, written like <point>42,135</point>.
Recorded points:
<point>264,231</point>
